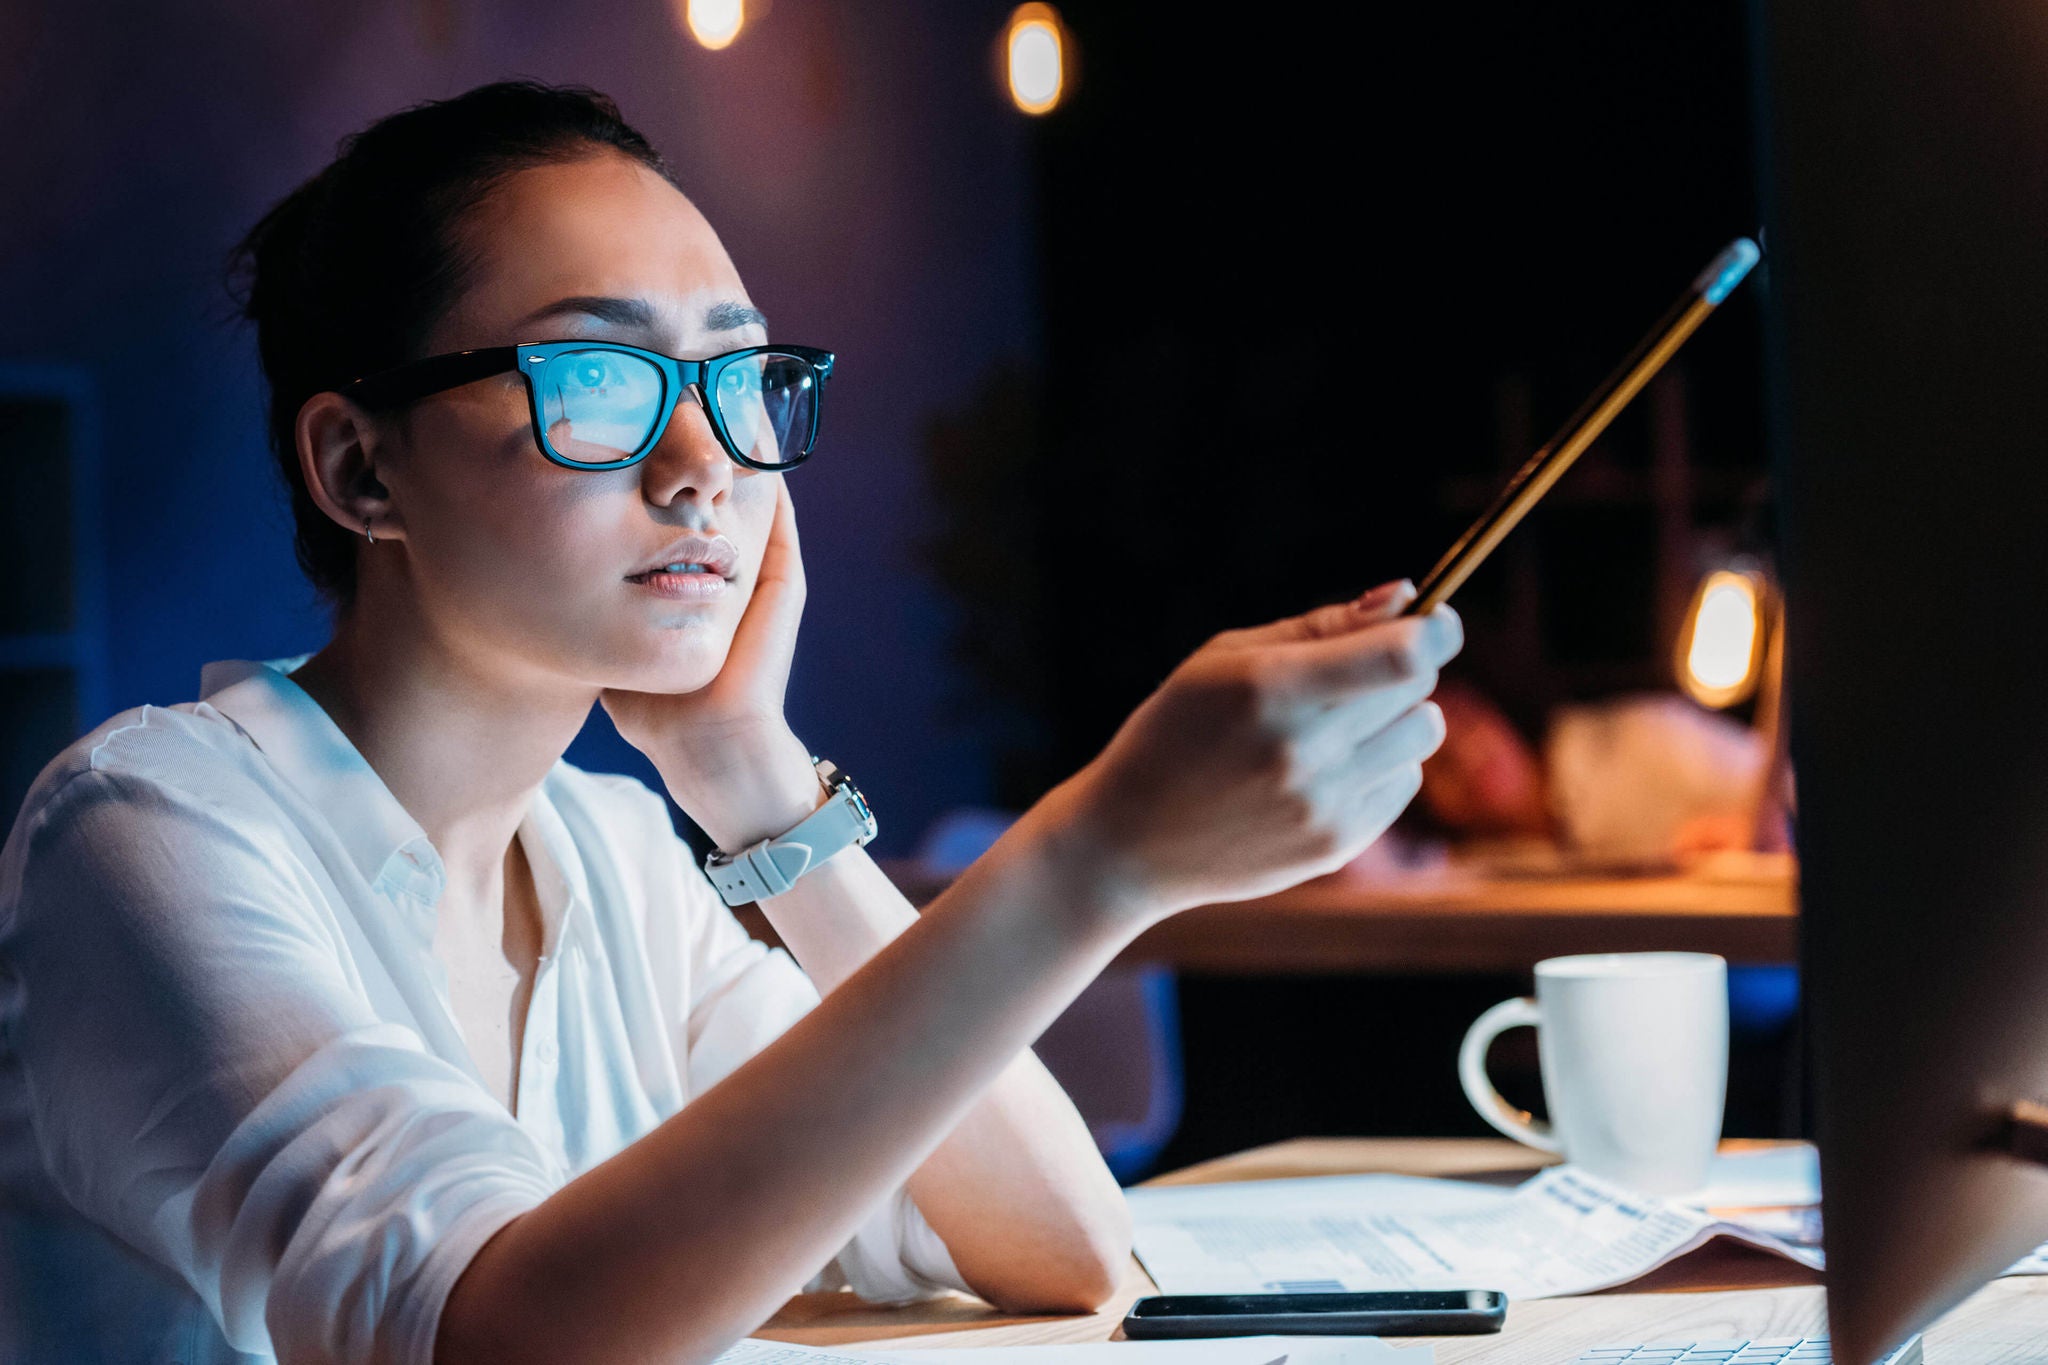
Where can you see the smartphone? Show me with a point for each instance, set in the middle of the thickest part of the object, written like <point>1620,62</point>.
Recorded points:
<point>1406,1313</point>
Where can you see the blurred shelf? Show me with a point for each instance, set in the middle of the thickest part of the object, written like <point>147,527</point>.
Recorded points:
<point>1462,922</point>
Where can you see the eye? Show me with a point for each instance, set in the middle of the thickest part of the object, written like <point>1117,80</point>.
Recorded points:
<point>740,379</point>
<point>592,371</point>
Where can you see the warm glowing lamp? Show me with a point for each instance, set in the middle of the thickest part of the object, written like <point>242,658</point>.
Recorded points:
<point>715,23</point>
<point>1733,648</point>
<point>1035,56</point>
<point>1721,649</point>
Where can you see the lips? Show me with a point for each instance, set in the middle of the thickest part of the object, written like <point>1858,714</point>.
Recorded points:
<point>717,554</point>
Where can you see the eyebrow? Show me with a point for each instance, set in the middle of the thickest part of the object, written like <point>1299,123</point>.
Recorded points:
<point>730,317</point>
<point>719,317</point>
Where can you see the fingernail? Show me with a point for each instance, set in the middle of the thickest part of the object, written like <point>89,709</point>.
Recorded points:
<point>1446,631</point>
<point>1383,594</point>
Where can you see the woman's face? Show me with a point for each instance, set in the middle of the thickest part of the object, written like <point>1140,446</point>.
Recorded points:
<point>525,564</point>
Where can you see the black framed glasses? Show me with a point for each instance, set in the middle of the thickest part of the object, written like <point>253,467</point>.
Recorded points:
<point>603,405</point>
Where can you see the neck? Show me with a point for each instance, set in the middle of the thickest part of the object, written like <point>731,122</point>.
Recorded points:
<point>462,737</point>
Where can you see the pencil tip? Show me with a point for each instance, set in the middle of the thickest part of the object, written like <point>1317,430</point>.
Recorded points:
<point>1719,279</point>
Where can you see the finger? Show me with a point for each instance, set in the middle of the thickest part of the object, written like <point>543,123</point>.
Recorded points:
<point>1348,720</point>
<point>1376,807</point>
<point>1383,654</point>
<point>1406,740</point>
<point>1398,748</point>
<point>1412,737</point>
<point>783,560</point>
<point>1385,602</point>
<point>1378,604</point>
<point>1362,804</point>
<point>765,641</point>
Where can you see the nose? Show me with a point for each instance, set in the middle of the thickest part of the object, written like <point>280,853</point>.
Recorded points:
<point>687,462</point>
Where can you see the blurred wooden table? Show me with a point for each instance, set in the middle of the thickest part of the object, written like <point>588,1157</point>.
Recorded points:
<point>1715,1293</point>
<point>1463,921</point>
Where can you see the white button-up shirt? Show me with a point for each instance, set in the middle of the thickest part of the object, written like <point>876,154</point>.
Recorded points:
<point>238,1120</point>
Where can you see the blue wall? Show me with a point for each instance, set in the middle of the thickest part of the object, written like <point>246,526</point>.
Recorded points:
<point>859,162</point>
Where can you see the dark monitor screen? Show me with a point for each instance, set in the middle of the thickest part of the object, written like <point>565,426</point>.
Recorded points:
<point>1906,199</point>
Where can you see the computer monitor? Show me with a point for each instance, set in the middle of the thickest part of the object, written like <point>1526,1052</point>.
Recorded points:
<point>1905,159</point>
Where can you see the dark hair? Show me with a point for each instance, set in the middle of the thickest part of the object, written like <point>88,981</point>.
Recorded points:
<point>352,270</point>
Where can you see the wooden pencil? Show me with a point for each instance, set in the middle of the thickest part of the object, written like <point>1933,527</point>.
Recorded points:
<point>1548,464</point>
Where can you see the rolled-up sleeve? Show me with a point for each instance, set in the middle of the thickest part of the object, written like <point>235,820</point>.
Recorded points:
<point>745,995</point>
<point>208,1081</point>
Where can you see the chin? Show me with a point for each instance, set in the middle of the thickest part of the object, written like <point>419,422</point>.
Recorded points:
<point>662,651</point>
<point>681,661</point>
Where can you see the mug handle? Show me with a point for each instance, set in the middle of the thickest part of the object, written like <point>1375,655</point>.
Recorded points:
<point>1518,1124</point>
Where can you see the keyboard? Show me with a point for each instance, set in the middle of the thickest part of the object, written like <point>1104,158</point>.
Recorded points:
<point>1777,1351</point>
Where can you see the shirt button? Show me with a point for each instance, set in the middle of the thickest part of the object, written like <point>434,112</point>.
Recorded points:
<point>545,1053</point>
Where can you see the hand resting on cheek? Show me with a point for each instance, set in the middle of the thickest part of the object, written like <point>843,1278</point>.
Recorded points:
<point>725,750</point>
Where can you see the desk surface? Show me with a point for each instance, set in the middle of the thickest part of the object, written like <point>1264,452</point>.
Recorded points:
<point>1461,920</point>
<point>1714,1293</point>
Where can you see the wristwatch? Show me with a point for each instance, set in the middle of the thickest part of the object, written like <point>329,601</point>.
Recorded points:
<point>771,866</point>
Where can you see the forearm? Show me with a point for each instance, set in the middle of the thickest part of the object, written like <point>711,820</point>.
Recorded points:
<point>1032,1217</point>
<point>690,1237</point>
<point>838,916</point>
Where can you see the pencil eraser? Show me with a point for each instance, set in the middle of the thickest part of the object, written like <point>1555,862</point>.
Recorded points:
<point>1726,270</point>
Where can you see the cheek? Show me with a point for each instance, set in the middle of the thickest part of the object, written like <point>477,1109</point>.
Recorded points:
<point>500,521</point>
<point>533,557</point>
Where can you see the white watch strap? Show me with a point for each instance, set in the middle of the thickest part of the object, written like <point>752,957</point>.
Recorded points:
<point>771,866</point>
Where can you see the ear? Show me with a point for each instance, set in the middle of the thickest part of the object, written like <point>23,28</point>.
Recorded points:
<point>339,444</point>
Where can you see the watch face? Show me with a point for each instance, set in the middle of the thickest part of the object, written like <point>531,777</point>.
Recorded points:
<point>860,803</point>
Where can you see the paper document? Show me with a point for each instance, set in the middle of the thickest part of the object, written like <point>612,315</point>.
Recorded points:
<point>1560,1232</point>
<point>1781,1175</point>
<point>1210,1351</point>
<point>755,1352</point>
<point>1266,1350</point>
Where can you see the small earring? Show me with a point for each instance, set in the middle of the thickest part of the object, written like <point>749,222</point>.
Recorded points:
<point>366,532</point>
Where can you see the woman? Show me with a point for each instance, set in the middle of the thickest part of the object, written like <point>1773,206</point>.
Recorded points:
<point>342,1020</point>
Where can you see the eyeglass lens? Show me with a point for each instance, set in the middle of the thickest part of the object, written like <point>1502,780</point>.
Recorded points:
<point>600,406</point>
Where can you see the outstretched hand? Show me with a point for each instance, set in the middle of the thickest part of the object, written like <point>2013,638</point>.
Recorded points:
<point>1270,755</point>
<point>726,750</point>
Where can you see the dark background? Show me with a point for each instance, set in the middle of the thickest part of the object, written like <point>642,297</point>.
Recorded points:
<point>1298,279</point>
<point>1257,318</point>
<point>1310,287</point>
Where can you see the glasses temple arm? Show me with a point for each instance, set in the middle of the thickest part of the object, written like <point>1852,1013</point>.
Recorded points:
<point>418,378</point>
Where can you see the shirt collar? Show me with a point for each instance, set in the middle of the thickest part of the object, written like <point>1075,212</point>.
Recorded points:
<point>382,839</point>
<point>559,877</point>
<point>305,745</point>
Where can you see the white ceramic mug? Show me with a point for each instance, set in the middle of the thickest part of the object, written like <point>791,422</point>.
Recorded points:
<point>1634,1051</point>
